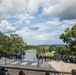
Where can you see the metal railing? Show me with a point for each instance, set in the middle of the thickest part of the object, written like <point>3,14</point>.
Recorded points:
<point>37,70</point>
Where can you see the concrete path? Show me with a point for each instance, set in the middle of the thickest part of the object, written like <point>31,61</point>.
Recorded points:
<point>53,65</point>
<point>62,67</point>
<point>3,59</point>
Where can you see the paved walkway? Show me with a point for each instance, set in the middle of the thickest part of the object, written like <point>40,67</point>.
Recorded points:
<point>53,65</point>
<point>62,67</point>
<point>17,62</point>
<point>2,60</point>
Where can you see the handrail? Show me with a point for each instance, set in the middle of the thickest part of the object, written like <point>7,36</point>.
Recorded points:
<point>35,70</point>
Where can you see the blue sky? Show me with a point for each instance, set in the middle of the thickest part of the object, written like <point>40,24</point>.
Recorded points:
<point>37,21</point>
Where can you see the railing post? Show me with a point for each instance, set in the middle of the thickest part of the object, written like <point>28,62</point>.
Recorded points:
<point>38,63</point>
<point>21,60</point>
<point>5,61</point>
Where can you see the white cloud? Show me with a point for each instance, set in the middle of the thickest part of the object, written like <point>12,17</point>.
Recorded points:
<point>53,23</point>
<point>11,8</point>
<point>56,23</point>
<point>7,27</point>
<point>42,33</point>
<point>17,9</point>
<point>25,11</point>
<point>64,10</point>
<point>69,22</point>
<point>33,5</point>
<point>46,31</point>
<point>26,18</point>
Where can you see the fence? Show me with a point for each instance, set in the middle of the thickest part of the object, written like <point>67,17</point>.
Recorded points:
<point>36,70</point>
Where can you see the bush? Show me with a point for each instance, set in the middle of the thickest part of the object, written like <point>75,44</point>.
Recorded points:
<point>53,56</point>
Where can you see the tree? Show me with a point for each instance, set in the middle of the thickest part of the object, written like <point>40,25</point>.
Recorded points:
<point>52,48</point>
<point>11,44</point>
<point>17,43</point>
<point>69,37</point>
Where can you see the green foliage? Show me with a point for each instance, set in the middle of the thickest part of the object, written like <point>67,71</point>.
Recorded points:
<point>52,48</point>
<point>11,44</point>
<point>53,56</point>
<point>69,37</point>
<point>39,49</point>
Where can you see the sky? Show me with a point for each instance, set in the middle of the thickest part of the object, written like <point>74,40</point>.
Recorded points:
<point>38,22</point>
